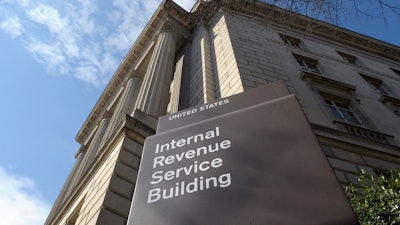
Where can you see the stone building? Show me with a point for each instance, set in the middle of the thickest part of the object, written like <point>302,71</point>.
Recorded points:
<point>348,86</point>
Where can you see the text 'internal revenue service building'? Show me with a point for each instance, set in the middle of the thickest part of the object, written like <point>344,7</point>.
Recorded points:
<point>248,159</point>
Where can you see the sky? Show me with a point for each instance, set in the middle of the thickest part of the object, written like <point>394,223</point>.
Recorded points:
<point>56,58</point>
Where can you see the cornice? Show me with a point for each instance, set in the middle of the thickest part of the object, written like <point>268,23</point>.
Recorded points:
<point>167,9</point>
<point>388,98</point>
<point>375,149</point>
<point>320,80</point>
<point>203,11</point>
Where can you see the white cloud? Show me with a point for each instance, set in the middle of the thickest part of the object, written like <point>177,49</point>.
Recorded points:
<point>83,39</point>
<point>87,73</point>
<point>86,22</point>
<point>48,54</point>
<point>60,28</point>
<point>129,17</point>
<point>23,3</point>
<point>12,26</point>
<point>20,201</point>
<point>48,16</point>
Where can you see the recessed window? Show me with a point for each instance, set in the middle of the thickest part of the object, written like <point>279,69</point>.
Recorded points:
<point>341,110</point>
<point>292,41</point>
<point>397,72</point>
<point>392,103</point>
<point>307,64</point>
<point>348,58</point>
<point>397,111</point>
<point>376,84</point>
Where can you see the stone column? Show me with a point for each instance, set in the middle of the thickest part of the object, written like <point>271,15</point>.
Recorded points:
<point>206,65</point>
<point>202,76</point>
<point>67,187</point>
<point>94,147</point>
<point>154,94</point>
<point>176,87</point>
<point>125,106</point>
<point>77,172</point>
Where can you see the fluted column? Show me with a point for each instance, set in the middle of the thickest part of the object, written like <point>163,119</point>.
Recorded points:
<point>125,106</point>
<point>206,66</point>
<point>154,94</point>
<point>94,147</point>
<point>66,189</point>
<point>77,172</point>
<point>202,70</point>
<point>176,87</point>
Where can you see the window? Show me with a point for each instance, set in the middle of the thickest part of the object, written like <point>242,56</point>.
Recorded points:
<point>307,64</point>
<point>392,103</point>
<point>348,58</point>
<point>375,84</point>
<point>348,117</point>
<point>396,71</point>
<point>396,111</point>
<point>342,111</point>
<point>395,108</point>
<point>292,41</point>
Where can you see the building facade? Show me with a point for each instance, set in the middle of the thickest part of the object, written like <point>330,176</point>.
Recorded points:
<point>347,84</point>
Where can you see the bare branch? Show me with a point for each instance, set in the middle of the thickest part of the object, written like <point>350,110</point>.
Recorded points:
<point>336,11</point>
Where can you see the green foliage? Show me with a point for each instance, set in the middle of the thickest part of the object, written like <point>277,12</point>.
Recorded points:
<point>377,201</point>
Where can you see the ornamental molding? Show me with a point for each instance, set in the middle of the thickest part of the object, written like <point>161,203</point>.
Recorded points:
<point>202,12</point>
<point>340,139</point>
<point>205,10</point>
<point>169,14</point>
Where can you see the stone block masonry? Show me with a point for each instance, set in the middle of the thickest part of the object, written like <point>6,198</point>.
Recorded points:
<point>256,61</point>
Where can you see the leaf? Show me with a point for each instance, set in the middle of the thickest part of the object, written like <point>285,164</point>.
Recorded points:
<point>377,201</point>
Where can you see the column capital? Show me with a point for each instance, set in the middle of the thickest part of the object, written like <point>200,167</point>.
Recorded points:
<point>106,116</point>
<point>154,91</point>
<point>168,28</point>
<point>180,31</point>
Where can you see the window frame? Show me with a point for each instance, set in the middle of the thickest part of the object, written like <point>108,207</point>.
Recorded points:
<point>307,64</point>
<point>341,109</point>
<point>396,110</point>
<point>392,103</point>
<point>396,71</point>
<point>376,84</point>
<point>291,41</point>
<point>349,58</point>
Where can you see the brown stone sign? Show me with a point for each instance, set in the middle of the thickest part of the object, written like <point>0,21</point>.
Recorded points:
<point>254,162</point>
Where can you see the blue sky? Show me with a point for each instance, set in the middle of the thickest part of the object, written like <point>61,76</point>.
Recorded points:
<point>56,58</point>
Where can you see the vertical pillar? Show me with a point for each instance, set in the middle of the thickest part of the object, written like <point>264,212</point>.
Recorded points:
<point>184,94</point>
<point>67,187</point>
<point>154,95</point>
<point>202,74</point>
<point>125,106</point>
<point>176,87</point>
<point>75,179</point>
<point>206,65</point>
<point>94,147</point>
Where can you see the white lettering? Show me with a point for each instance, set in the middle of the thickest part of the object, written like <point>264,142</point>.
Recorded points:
<point>158,178</point>
<point>161,161</point>
<point>173,144</point>
<point>194,168</point>
<point>158,160</point>
<point>154,195</point>
<point>182,188</point>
